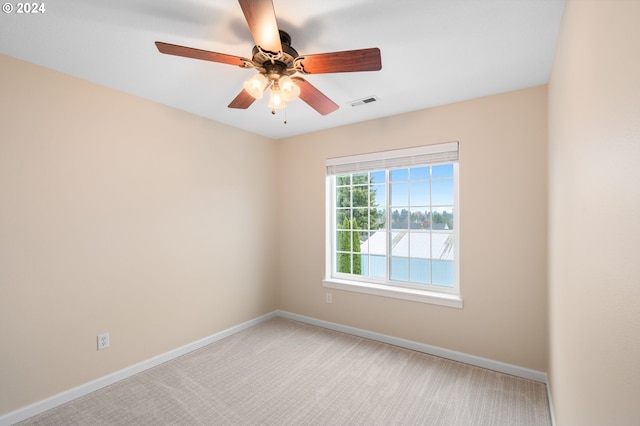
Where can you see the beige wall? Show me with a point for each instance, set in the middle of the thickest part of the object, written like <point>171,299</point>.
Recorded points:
<point>120,215</point>
<point>594,220</point>
<point>503,196</point>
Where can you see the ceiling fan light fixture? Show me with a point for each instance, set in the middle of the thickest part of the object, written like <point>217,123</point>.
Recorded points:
<point>276,99</point>
<point>289,90</point>
<point>255,87</point>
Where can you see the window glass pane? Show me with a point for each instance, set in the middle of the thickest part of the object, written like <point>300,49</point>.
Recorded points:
<point>343,196</point>
<point>399,174</point>
<point>378,177</point>
<point>377,266</point>
<point>378,195</point>
<point>420,245</point>
<point>343,180</point>
<point>445,170</point>
<point>360,179</point>
<point>419,193</point>
<point>360,196</point>
<point>400,219</point>
<point>377,219</point>
<point>343,240</point>
<point>419,173</point>
<point>400,269</point>
<point>377,243</point>
<point>343,263</point>
<point>373,219</point>
<point>442,246</point>
<point>400,194</point>
<point>364,245</point>
<point>442,273</point>
<point>399,244</point>
<point>357,264</point>
<point>364,242</point>
<point>420,271</point>
<point>419,218</point>
<point>442,192</point>
<point>442,218</point>
<point>342,218</point>
<point>364,264</point>
<point>360,219</point>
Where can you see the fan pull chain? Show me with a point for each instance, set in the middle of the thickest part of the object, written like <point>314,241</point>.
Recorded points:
<point>273,111</point>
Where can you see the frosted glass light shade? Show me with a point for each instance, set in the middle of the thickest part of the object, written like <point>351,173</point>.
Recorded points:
<point>255,87</point>
<point>276,100</point>
<point>290,91</point>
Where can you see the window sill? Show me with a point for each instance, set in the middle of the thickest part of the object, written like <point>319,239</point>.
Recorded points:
<point>414,295</point>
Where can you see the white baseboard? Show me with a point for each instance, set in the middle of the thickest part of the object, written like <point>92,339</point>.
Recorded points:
<point>71,394</point>
<point>489,364</point>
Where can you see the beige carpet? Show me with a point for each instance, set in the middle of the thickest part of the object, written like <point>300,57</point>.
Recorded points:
<point>282,372</point>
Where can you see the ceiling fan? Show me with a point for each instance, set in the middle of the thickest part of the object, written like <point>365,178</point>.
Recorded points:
<point>277,62</point>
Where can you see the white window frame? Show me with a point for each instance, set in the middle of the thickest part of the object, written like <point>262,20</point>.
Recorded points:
<point>445,153</point>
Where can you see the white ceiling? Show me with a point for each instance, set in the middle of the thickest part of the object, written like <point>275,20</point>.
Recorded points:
<point>434,52</point>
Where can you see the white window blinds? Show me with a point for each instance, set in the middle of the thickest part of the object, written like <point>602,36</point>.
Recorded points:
<point>429,154</point>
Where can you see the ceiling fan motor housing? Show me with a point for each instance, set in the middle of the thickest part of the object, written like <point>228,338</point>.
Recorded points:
<point>275,64</point>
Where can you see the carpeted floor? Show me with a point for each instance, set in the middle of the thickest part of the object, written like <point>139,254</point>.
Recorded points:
<point>282,372</point>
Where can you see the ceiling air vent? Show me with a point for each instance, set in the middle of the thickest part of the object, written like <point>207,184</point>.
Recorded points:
<point>364,101</point>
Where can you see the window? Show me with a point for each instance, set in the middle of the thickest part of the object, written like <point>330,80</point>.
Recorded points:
<point>392,224</point>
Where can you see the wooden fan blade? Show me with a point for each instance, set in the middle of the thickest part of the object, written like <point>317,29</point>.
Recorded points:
<point>242,101</point>
<point>261,18</point>
<point>346,61</point>
<point>315,98</point>
<point>190,52</point>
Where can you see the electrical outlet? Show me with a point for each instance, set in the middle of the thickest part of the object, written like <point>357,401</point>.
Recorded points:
<point>103,341</point>
<point>329,298</point>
